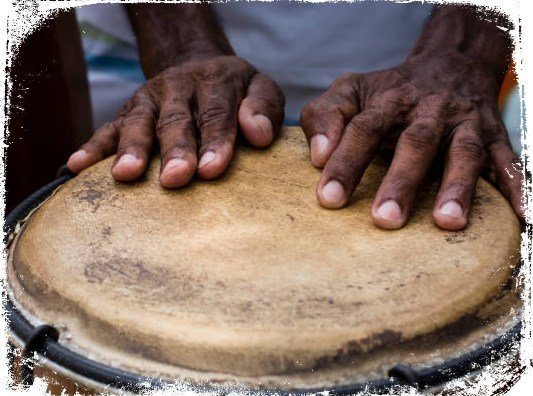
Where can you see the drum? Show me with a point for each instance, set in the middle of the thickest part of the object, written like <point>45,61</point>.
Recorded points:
<point>247,283</point>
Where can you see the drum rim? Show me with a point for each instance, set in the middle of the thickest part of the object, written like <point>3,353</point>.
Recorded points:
<point>399,375</point>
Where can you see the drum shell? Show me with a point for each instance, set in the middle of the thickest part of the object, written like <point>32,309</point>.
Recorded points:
<point>216,378</point>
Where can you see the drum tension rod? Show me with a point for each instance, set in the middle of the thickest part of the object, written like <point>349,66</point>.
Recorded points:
<point>35,343</point>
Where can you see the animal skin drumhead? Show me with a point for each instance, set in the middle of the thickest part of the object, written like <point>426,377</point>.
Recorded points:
<point>247,275</point>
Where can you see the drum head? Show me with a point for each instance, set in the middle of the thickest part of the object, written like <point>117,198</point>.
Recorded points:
<point>248,276</point>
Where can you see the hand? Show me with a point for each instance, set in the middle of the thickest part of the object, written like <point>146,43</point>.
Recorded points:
<point>194,110</point>
<point>428,104</point>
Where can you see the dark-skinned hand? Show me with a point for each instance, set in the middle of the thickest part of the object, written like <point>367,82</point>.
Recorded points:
<point>195,111</point>
<point>429,105</point>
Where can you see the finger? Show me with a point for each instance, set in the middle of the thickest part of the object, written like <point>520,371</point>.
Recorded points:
<point>136,128</point>
<point>102,144</point>
<point>464,161</point>
<point>415,151</point>
<point>324,119</point>
<point>508,173</point>
<point>176,132</point>
<point>359,142</point>
<point>217,122</point>
<point>261,112</point>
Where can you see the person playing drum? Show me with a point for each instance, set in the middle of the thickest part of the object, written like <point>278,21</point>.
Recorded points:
<point>438,106</point>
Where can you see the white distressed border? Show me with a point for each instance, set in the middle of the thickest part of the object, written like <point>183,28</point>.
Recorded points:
<point>17,20</point>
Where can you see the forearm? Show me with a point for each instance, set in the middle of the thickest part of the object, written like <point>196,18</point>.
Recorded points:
<point>463,31</point>
<point>171,34</point>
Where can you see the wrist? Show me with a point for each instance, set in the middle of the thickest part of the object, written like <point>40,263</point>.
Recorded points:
<point>464,37</point>
<point>172,34</point>
<point>451,62</point>
<point>155,60</point>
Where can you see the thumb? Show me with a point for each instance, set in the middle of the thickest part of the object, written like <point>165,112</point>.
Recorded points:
<point>261,111</point>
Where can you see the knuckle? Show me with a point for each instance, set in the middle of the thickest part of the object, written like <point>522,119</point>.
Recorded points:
<point>171,87</point>
<point>175,99</point>
<point>366,125</point>
<point>140,98</point>
<point>141,112</point>
<point>210,73</point>
<point>137,119</point>
<point>345,88</point>
<point>213,115</point>
<point>397,100</point>
<point>173,119</point>
<point>168,75</point>
<point>422,134</point>
<point>442,98</point>
<point>467,147</point>
<point>430,106</point>
<point>219,70</point>
<point>465,106</point>
<point>138,112</point>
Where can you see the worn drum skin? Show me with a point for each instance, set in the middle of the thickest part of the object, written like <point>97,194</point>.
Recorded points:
<point>248,280</point>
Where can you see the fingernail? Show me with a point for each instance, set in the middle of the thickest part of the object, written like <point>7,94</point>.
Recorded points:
<point>174,163</point>
<point>127,159</point>
<point>207,158</point>
<point>264,123</point>
<point>451,209</point>
<point>332,193</point>
<point>78,155</point>
<point>319,144</point>
<point>389,210</point>
<point>176,173</point>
